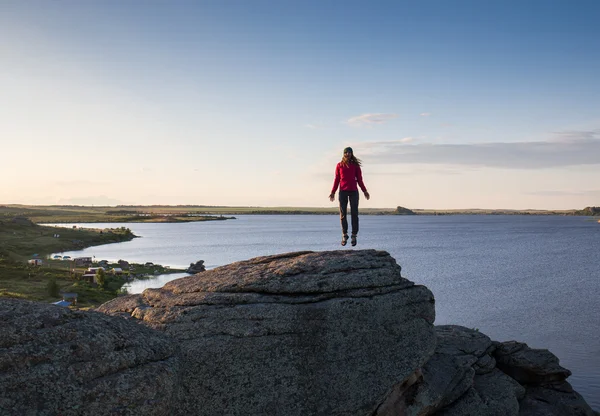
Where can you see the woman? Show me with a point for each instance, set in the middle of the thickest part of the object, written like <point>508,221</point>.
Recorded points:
<point>347,176</point>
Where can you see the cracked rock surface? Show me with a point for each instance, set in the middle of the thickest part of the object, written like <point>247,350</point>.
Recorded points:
<point>304,333</point>
<point>54,361</point>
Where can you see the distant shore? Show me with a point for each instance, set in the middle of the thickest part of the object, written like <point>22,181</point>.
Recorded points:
<point>71,214</point>
<point>28,271</point>
<point>49,214</point>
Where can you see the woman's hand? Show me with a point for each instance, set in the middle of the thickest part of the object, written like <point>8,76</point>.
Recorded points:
<point>331,197</point>
<point>367,195</point>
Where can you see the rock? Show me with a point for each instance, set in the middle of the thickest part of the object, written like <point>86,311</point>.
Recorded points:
<point>492,394</point>
<point>547,392</point>
<point>527,365</point>
<point>196,267</point>
<point>467,345</point>
<point>444,380</point>
<point>554,399</point>
<point>54,361</point>
<point>328,333</point>
<point>460,354</point>
<point>397,401</point>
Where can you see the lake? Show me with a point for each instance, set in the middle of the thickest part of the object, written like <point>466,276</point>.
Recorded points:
<point>534,279</point>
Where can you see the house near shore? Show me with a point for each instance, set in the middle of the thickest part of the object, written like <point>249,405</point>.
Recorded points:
<point>116,270</point>
<point>63,303</point>
<point>70,297</point>
<point>89,277</point>
<point>83,261</point>
<point>35,262</point>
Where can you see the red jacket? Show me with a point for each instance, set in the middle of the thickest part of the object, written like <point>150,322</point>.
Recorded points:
<point>347,178</point>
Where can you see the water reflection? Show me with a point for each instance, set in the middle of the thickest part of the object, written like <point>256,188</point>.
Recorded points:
<point>138,286</point>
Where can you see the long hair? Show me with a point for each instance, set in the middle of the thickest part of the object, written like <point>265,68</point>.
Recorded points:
<point>352,160</point>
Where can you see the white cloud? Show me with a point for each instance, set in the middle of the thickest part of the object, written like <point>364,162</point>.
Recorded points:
<point>370,119</point>
<point>568,136</point>
<point>572,150</point>
<point>377,148</point>
<point>311,126</point>
<point>425,114</point>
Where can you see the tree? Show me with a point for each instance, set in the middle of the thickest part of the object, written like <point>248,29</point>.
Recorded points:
<point>52,288</point>
<point>101,278</point>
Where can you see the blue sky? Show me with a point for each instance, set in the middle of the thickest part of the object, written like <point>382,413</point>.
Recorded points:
<point>450,104</point>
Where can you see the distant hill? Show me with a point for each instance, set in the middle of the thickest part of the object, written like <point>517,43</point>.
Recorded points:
<point>589,211</point>
<point>404,211</point>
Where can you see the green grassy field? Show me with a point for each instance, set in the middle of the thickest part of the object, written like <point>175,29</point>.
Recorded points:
<point>19,280</point>
<point>83,214</point>
<point>23,240</point>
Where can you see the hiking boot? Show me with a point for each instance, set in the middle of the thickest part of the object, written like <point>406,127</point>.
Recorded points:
<point>344,239</point>
<point>353,240</point>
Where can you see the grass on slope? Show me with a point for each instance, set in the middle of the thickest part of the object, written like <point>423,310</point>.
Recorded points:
<point>20,241</point>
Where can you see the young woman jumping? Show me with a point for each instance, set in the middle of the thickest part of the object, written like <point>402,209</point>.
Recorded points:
<point>348,175</point>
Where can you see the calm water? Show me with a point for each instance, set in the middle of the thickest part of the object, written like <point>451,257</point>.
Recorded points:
<point>528,278</point>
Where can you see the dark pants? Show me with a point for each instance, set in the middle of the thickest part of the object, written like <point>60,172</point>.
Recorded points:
<point>344,197</point>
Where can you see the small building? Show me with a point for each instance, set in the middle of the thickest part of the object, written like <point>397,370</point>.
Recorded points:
<point>117,270</point>
<point>70,297</point>
<point>62,303</point>
<point>82,261</point>
<point>149,264</point>
<point>89,277</point>
<point>123,264</point>
<point>93,270</point>
<point>35,262</point>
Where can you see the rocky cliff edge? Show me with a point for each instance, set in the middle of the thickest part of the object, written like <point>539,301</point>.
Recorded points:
<point>306,333</point>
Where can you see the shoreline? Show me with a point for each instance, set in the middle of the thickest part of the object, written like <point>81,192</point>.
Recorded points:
<point>193,213</point>
<point>31,269</point>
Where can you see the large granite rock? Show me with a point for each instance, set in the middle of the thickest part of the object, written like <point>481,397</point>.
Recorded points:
<point>330,333</point>
<point>527,365</point>
<point>327,333</point>
<point>547,392</point>
<point>469,374</point>
<point>54,361</point>
<point>196,267</point>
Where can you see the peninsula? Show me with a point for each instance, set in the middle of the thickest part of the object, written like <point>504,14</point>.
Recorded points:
<point>69,214</point>
<point>27,272</point>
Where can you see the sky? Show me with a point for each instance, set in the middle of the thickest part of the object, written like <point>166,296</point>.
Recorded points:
<point>449,104</point>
